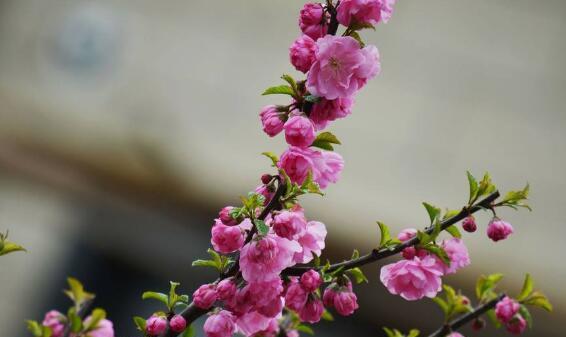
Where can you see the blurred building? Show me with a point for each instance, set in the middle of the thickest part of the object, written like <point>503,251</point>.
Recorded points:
<point>125,125</point>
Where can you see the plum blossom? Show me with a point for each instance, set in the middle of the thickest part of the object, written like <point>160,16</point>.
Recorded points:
<point>313,21</point>
<point>55,321</point>
<point>506,309</point>
<point>498,229</point>
<point>326,111</point>
<point>295,296</point>
<point>263,259</point>
<point>155,325</point>
<point>455,334</point>
<point>226,289</point>
<point>345,302</point>
<point>311,280</point>
<point>325,166</point>
<point>312,242</point>
<point>458,254</point>
<point>178,323</point>
<point>205,296</point>
<point>289,224</point>
<point>341,67</point>
<point>220,325</point>
<point>359,11</point>
<point>224,216</point>
<point>299,131</point>
<point>302,53</point>
<point>312,310</point>
<point>104,328</point>
<point>252,323</point>
<point>469,224</point>
<point>516,325</point>
<point>226,239</point>
<point>272,120</point>
<point>413,279</point>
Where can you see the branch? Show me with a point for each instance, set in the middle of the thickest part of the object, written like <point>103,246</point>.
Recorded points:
<point>464,319</point>
<point>378,254</point>
<point>192,312</point>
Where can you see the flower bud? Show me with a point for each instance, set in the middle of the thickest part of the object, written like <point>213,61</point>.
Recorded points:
<point>226,289</point>
<point>313,21</point>
<point>288,224</point>
<point>312,311</point>
<point>271,120</point>
<point>499,229</point>
<point>311,280</point>
<point>506,309</point>
<point>478,324</point>
<point>296,296</point>
<point>517,325</point>
<point>302,53</point>
<point>469,224</point>
<point>55,321</point>
<point>205,296</point>
<point>178,323</point>
<point>266,178</point>
<point>220,325</point>
<point>345,302</point>
<point>299,131</point>
<point>155,325</point>
<point>225,217</point>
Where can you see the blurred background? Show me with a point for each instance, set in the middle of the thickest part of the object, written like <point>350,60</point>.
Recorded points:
<point>126,125</point>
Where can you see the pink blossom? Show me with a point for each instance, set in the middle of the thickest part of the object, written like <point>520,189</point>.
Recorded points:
<point>413,279</point>
<point>272,308</point>
<point>516,325</point>
<point>155,325</point>
<point>226,289</point>
<point>105,328</point>
<point>499,229</point>
<point>220,325</point>
<point>264,259</point>
<point>341,67</point>
<point>178,323</point>
<point>224,216</point>
<point>295,296</point>
<point>292,333</point>
<point>226,239</point>
<point>289,224</point>
<point>313,21</point>
<point>312,311</point>
<point>272,120</point>
<point>311,280</point>
<point>359,11</point>
<point>302,53</point>
<point>299,131</point>
<point>252,323</point>
<point>506,309</point>
<point>387,9</point>
<point>328,296</point>
<point>458,254</point>
<point>266,192</point>
<point>469,224</point>
<point>325,166</point>
<point>329,110</point>
<point>345,302</point>
<point>312,242</point>
<point>205,296</point>
<point>407,234</point>
<point>55,321</point>
<point>329,168</point>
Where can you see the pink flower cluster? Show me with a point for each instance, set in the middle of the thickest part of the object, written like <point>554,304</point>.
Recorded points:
<point>420,273</point>
<point>56,321</point>
<point>507,312</point>
<point>252,304</point>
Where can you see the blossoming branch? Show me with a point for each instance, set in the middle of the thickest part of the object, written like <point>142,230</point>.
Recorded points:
<point>271,278</point>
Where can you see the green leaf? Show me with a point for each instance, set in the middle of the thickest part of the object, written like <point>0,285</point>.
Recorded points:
<point>76,292</point>
<point>493,318</point>
<point>204,263</point>
<point>392,332</point>
<point>189,332</point>
<point>322,145</point>
<point>538,299</point>
<point>96,316</point>
<point>75,320</point>
<point>35,328</point>
<point>413,333</point>
<point>473,188</point>
<point>433,212</point>
<point>173,297</point>
<point>327,316</point>
<point>46,331</point>
<point>359,26</point>
<point>454,231</point>
<point>486,186</point>
<point>450,213</point>
<point>279,90</point>
<point>486,284</point>
<point>385,234</point>
<point>324,140</point>
<point>358,275</point>
<point>526,315</point>
<point>310,186</point>
<point>139,322</point>
<point>262,228</point>
<point>291,81</point>
<point>355,254</point>
<point>157,296</point>
<point>273,157</point>
<point>527,288</point>
<point>10,247</point>
<point>305,328</point>
<point>423,238</point>
<point>439,252</point>
<point>442,304</point>
<point>358,38</point>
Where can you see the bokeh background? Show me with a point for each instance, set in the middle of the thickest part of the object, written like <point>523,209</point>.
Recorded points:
<point>126,125</point>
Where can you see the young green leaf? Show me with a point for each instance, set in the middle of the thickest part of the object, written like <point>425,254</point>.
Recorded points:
<point>473,188</point>
<point>139,322</point>
<point>438,251</point>
<point>385,234</point>
<point>279,90</point>
<point>433,212</point>
<point>35,328</point>
<point>327,316</point>
<point>262,228</point>
<point>358,275</point>
<point>76,292</point>
<point>189,332</point>
<point>156,296</point>
<point>10,247</point>
<point>527,288</point>
<point>324,140</point>
<point>96,316</point>
<point>305,328</point>
<point>486,284</point>
<point>538,299</point>
<point>273,157</point>
<point>291,81</point>
<point>454,231</point>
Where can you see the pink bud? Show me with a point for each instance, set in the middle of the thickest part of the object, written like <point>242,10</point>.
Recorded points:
<point>178,323</point>
<point>296,296</point>
<point>407,234</point>
<point>328,297</point>
<point>311,280</point>
<point>506,309</point>
<point>478,324</point>
<point>289,224</point>
<point>224,216</point>
<point>266,178</point>
<point>312,311</point>
<point>299,131</point>
<point>517,325</point>
<point>220,325</point>
<point>155,325</point>
<point>226,239</point>
<point>226,289</point>
<point>455,334</point>
<point>499,229</point>
<point>205,296</point>
<point>55,320</point>
<point>409,253</point>
<point>469,224</point>
<point>271,120</point>
<point>313,21</point>
<point>345,302</point>
<point>302,53</point>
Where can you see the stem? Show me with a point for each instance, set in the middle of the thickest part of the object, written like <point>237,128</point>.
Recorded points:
<point>82,312</point>
<point>464,319</point>
<point>333,25</point>
<point>192,312</point>
<point>378,254</point>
